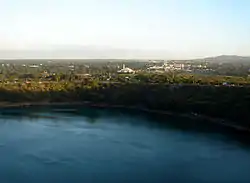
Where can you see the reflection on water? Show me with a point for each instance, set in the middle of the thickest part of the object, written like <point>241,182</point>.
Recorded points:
<point>76,144</point>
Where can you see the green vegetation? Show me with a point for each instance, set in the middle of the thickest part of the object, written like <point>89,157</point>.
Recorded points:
<point>220,96</point>
<point>183,93</point>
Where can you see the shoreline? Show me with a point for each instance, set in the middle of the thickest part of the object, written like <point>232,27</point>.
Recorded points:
<point>218,121</point>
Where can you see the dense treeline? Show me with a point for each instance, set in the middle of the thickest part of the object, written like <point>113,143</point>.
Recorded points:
<point>229,102</point>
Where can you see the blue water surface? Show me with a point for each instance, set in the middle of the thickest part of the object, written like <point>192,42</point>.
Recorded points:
<point>71,145</point>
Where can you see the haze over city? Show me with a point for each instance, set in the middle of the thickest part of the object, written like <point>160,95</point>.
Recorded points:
<point>142,29</point>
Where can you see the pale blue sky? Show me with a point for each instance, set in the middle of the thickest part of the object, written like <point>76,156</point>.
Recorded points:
<point>191,28</point>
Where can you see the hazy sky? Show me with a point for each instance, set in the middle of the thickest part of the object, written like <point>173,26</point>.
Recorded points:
<point>191,28</point>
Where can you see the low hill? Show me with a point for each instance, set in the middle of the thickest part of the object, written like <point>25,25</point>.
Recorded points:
<point>228,59</point>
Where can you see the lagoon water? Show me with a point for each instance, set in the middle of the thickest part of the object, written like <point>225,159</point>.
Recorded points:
<point>63,145</point>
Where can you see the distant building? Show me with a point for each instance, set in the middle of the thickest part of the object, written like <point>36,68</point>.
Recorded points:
<point>33,66</point>
<point>156,68</point>
<point>178,66</point>
<point>174,66</point>
<point>126,70</point>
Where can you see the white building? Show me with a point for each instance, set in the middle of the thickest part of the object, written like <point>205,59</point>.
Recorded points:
<point>33,66</point>
<point>126,70</point>
<point>173,66</point>
<point>178,66</point>
<point>156,68</point>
